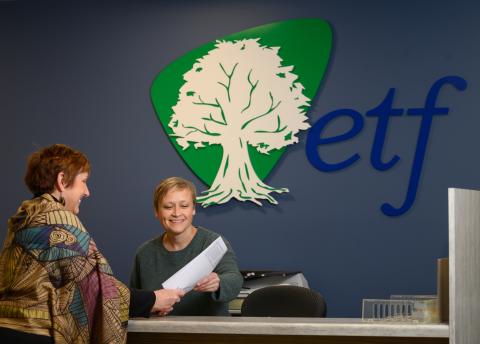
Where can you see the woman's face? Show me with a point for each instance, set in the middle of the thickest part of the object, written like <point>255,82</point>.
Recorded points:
<point>175,211</point>
<point>74,194</point>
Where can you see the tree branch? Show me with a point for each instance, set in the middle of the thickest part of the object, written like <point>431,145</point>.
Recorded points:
<point>210,118</point>
<point>229,76</point>
<point>252,88</point>
<point>195,129</point>
<point>207,104</point>
<point>270,110</point>
<point>216,105</point>
<point>276,131</point>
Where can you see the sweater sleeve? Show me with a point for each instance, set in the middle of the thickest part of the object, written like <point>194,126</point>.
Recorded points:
<point>141,302</point>
<point>231,279</point>
<point>135,274</point>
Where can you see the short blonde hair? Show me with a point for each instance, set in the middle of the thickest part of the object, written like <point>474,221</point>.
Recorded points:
<point>170,184</point>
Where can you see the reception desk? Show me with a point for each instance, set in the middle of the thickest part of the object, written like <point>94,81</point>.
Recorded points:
<point>233,330</point>
<point>464,297</point>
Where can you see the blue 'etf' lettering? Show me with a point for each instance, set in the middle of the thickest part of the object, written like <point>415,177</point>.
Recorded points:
<point>383,111</point>
<point>427,114</point>
<point>314,139</point>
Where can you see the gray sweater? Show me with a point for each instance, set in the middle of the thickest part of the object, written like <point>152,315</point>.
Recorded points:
<point>154,264</point>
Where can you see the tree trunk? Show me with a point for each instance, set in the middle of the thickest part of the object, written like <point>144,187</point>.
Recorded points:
<point>237,179</point>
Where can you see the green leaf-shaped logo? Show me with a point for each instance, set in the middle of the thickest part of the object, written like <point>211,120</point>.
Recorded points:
<point>230,107</point>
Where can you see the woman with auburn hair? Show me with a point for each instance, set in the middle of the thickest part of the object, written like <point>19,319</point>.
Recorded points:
<point>159,258</point>
<point>55,285</point>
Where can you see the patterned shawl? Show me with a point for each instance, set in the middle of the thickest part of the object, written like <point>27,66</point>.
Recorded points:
<point>55,282</point>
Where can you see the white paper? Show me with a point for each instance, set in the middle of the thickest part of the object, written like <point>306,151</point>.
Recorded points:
<point>187,277</point>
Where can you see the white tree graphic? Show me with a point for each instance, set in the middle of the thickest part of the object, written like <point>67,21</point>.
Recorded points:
<point>239,94</point>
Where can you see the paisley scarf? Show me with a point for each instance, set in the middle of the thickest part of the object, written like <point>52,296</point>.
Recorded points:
<point>55,282</point>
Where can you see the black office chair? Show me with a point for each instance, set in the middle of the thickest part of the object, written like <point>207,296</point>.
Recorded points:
<point>284,301</point>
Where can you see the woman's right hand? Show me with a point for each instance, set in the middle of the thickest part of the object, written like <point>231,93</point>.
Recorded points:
<point>165,299</point>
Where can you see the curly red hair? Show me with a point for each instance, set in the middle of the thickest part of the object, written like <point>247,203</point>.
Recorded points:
<point>44,165</point>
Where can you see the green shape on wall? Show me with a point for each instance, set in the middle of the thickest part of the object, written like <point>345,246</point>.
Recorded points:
<point>231,106</point>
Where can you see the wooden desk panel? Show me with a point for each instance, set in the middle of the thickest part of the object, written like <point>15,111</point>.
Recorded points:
<point>184,338</point>
<point>235,330</point>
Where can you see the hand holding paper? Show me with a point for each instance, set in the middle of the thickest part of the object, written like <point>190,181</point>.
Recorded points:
<point>199,267</point>
<point>210,283</point>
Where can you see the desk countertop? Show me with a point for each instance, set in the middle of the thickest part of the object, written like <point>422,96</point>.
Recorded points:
<point>286,326</point>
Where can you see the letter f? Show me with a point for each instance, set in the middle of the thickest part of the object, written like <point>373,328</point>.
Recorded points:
<point>427,112</point>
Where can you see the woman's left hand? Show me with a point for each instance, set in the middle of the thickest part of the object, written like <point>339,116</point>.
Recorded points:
<point>210,283</point>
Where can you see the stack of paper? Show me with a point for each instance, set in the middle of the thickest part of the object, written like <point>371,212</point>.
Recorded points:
<point>199,267</point>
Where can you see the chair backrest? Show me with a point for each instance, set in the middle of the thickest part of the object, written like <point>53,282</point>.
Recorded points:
<point>284,301</point>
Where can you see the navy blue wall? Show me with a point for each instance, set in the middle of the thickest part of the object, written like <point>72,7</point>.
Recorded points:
<point>80,74</point>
